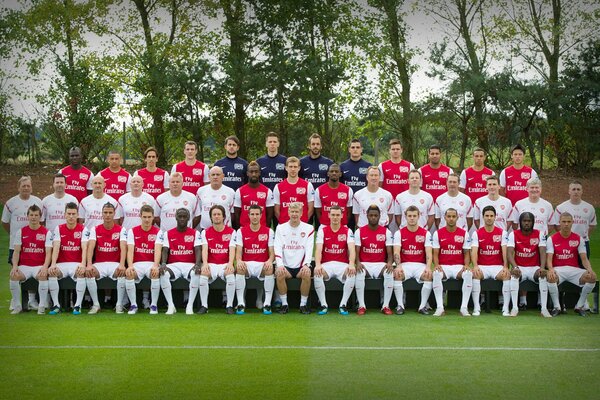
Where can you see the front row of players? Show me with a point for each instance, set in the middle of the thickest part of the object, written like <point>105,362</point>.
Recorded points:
<point>108,250</point>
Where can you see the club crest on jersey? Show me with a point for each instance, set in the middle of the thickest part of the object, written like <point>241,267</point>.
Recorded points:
<point>461,203</point>
<point>420,239</point>
<point>497,238</point>
<point>422,201</point>
<point>185,202</point>
<point>188,238</point>
<point>381,199</point>
<point>459,239</point>
<point>362,171</point>
<point>196,171</point>
<point>151,238</point>
<point>502,206</point>
<point>542,210</point>
<point>484,176</point>
<point>573,243</point>
<point>262,237</point>
<point>303,234</point>
<point>525,175</point>
<point>82,176</point>
<point>279,166</point>
<point>223,197</point>
<point>342,196</point>
<point>158,178</point>
<point>77,235</point>
<point>300,190</point>
<point>238,166</point>
<point>227,237</point>
<point>380,237</point>
<point>40,236</point>
<point>261,195</point>
<point>342,237</point>
<point>323,167</point>
<point>121,179</point>
<point>443,175</point>
<point>115,236</point>
<point>403,169</point>
<point>585,210</point>
<point>534,241</point>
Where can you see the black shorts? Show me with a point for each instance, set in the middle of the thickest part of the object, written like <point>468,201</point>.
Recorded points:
<point>293,271</point>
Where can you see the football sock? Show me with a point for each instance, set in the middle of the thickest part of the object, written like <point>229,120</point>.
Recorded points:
<point>194,284</point>
<point>467,288</point>
<point>130,287</point>
<point>269,285</point>
<point>43,291</point>
<point>80,285</point>
<point>514,291</point>
<point>240,287</point>
<point>348,288</point>
<point>165,285</point>
<point>15,290</point>
<point>120,290</point>
<point>230,289</point>
<point>425,292</point>
<point>92,287</point>
<point>203,288</point>
<point>388,288</point>
<point>303,300</point>
<point>544,293</point>
<point>283,298</point>
<point>53,289</point>
<point>475,294</point>
<point>585,291</point>
<point>155,290</point>
<point>438,289</point>
<point>320,289</point>
<point>360,288</point>
<point>553,290</point>
<point>399,293</point>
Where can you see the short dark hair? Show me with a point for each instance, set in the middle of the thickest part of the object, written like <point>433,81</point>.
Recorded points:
<point>149,149</point>
<point>394,141</point>
<point>435,147</point>
<point>373,207</point>
<point>526,214</point>
<point>216,207</point>
<point>517,147</point>
<point>58,176</point>
<point>488,208</point>
<point>191,143</point>
<point>232,138</point>
<point>412,208</point>
<point>34,208</point>
<point>254,207</point>
<point>146,208</point>
<point>108,205</point>
<point>71,206</point>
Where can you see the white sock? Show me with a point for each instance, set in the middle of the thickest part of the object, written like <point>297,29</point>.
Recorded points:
<point>53,289</point>
<point>399,293</point>
<point>130,288</point>
<point>43,292</point>
<point>388,288</point>
<point>92,287</point>
<point>165,285</point>
<point>31,296</point>
<point>303,300</point>
<point>360,288</point>
<point>523,300</point>
<point>467,288</point>
<point>505,295</point>
<point>514,292</point>
<point>348,288</point>
<point>145,295</point>
<point>15,290</point>
<point>475,294</point>
<point>260,292</point>
<point>320,289</point>
<point>438,289</point>
<point>240,287</point>
<point>283,298</point>
<point>120,290</point>
<point>203,288</point>
<point>230,289</point>
<point>80,285</point>
<point>155,290</point>
<point>553,290</point>
<point>269,286</point>
<point>585,291</point>
<point>425,292</point>
<point>544,293</point>
<point>194,285</point>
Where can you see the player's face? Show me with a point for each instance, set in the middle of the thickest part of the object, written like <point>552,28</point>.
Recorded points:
<point>395,151</point>
<point>517,157</point>
<point>98,185</point>
<point>272,144</point>
<point>216,176</point>
<point>137,183</point>
<point>108,214</point>
<point>75,157</point>
<point>492,186</point>
<point>451,217</point>
<point>71,216</point>
<point>114,161</point>
<point>534,191</point>
<point>373,177</point>
<point>182,219</point>
<point>566,223</point>
<point>292,169</point>
<point>25,188</point>
<point>355,150</point>
<point>254,216</point>
<point>335,216</point>
<point>575,191</point>
<point>489,218</point>
<point>33,217</point>
<point>526,224</point>
<point>253,174</point>
<point>412,218</point>
<point>176,183</point>
<point>478,158</point>
<point>414,180</point>
<point>59,185</point>
<point>315,146</point>
<point>147,219</point>
<point>231,148</point>
<point>452,183</point>
<point>294,214</point>
<point>373,217</point>
<point>435,156</point>
<point>334,173</point>
<point>216,216</point>
<point>190,151</point>
<point>151,159</point>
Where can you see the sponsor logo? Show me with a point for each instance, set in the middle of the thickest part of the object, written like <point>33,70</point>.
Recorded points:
<point>261,168</point>
<point>306,169</point>
<point>323,167</point>
<point>76,235</point>
<point>459,239</point>
<point>39,236</point>
<point>585,210</point>
<point>422,201</point>
<point>223,197</point>
<point>461,203</point>
<point>502,207</point>
<point>443,175</point>
<point>404,169</point>
<point>302,234</point>
<point>151,238</point>
<point>362,171</point>
<point>188,238</point>
<point>542,210</point>
<point>261,195</point>
<point>121,179</point>
<point>381,199</point>
<point>227,237</point>
<point>185,202</point>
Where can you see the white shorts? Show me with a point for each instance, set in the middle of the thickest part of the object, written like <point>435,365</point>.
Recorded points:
<point>413,270</point>
<point>107,269</point>
<point>254,269</point>
<point>68,269</point>
<point>142,269</point>
<point>451,271</point>
<point>570,274</point>
<point>527,273</point>
<point>180,270</point>
<point>216,271</point>
<point>336,270</point>
<point>490,271</point>
<point>374,269</point>
<point>29,272</point>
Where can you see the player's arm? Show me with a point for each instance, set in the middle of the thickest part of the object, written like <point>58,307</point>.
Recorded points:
<point>237,212</point>
<point>510,255</point>
<point>318,257</point>
<point>469,223</point>
<point>318,212</point>
<point>123,258</point>
<point>474,255</point>
<point>196,220</point>
<point>238,256</point>
<point>504,257</point>
<point>436,257</point>
<point>89,253</point>
<point>55,251</point>
<point>277,210</point>
<point>430,221</point>
<point>311,208</point>
<point>390,258</point>
<point>198,257</point>
<point>398,219</point>
<point>586,262</point>
<point>120,221</point>
<point>428,256</point>
<point>466,258</point>
<point>269,215</point>
<point>15,260</point>
<point>130,250</point>
<point>542,250</point>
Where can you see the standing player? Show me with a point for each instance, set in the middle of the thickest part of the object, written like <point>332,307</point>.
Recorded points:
<point>488,253</point>
<point>540,208</point>
<point>90,208</point>
<point>232,166</point>
<point>53,205</point>
<point>169,202</point>
<point>501,204</point>
<point>584,214</point>
<point>314,166</point>
<point>372,194</point>
<point>194,172</point>
<point>253,193</point>
<point>215,193</point>
<point>132,202</point>
<point>294,242</point>
<point>255,255</point>
<point>414,196</point>
<point>116,178</point>
<point>272,164</point>
<point>333,193</point>
<point>293,189</point>
<point>354,169</point>
<point>413,257</point>
<point>562,250</point>
<point>31,258</point>
<point>435,173</point>
<point>456,200</point>
<point>451,260</point>
<point>156,180</point>
<point>78,178</point>
<point>513,179</point>
<point>473,178</point>
<point>374,256</point>
<point>394,172</point>
<point>334,258</point>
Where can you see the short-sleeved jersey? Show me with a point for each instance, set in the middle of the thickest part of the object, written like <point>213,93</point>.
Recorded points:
<point>527,247</point>
<point>234,171</point>
<point>194,176</point>
<point>474,182</point>
<point>155,183</point>
<point>180,244</point>
<point>34,245</point>
<point>451,245</point>
<point>565,251</point>
<point>293,245</point>
<point>314,170</point>
<point>514,182</point>
<point>108,242</point>
<point>354,173</point>
<point>255,245</point>
<point>412,244</point>
<point>461,203</point>
<point>70,243</point>
<point>542,210</point>
<point>335,244</point>
<point>489,245</point>
<point>373,244</point>
<point>14,213</point>
<point>143,243</point>
<point>78,181</point>
<point>117,183</point>
<point>169,204</point>
<point>219,244</point>
<point>365,198</point>
<point>208,197</point>
<point>247,196</point>
<point>272,170</point>
<point>286,193</point>
<point>90,209</point>
<point>394,176</point>
<point>503,208</point>
<point>130,207</point>
<point>53,210</point>
<point>435,180</point>
<point>584,216</point>
<point>326,197</point>
<point>422,200</point>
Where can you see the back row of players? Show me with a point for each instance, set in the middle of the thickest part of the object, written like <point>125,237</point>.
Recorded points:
<point>147,184</point>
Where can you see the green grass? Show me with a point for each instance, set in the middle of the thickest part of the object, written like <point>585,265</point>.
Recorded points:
<point>296,373</point>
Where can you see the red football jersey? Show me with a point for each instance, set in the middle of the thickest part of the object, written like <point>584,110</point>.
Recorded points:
<point>108,243</point>
<point>154,182</point>
<point>288,193</point>
<point>335,244</point>
<point>181,245</point>
<point>143,243</point>
<point>565,251</point>
<point>451,245</point>
<point>248,196</point>
<point>489,246</point>
<point>412,245</point>
<point>474,182</point>
<point>193,175</point>
<point>326,197</point>
<point>117,183</point>
<point>515,182</point>
<point>373,244</point>
<point>33,246</point>
<point>255,245</point>
<point>218,244</point>
<point>395,176</point>
<point>527,248</point>
<point>435,181</point>
<point>70,243</point>
<point>77,181</point>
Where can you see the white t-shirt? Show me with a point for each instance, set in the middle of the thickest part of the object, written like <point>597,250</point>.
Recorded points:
<point>461,203</point>
<point>15,214</point>
<point>208,197</point>
<point>364,198</point>
<point>542,210</point>
<point>584,216</point>
<point>131,206</point>
<point>293,246</point>
<point>53,210</point>
<point>503,208</point>
<point>90,209</point>
<point>422,200</point>
<point>169,204</point>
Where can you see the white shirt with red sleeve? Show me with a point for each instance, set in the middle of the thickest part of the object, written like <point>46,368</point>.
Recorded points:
<point>503,208</point>
<point>542,211</point>
<point>451,245</point>
<point>514,182</point>
<point>78,181</point>
<point>117,183</point>
<point>422,200</point>
<point>194,176</point>
<point>90,209</point>
<point>325,197</point>
<point>255,245</point>
<point>180,244</point>
<point>412,244</point>
<point>246,196</point>
<point>143,243</point>
<point>435,180</point>
<point>294,245</point>
<point>155,183</point>
<point>108,242</point>
<point>474,182</point>
<point>394,176</point>
<point>584,216</point>
<point>131,206</point>
<point>461,203</point>
<point>527,247</point>
<point>219,244</point>
<point>208,197</point>
<point>364,198</point>
<point>14,213</point>
<point>565,251</point>
<point>53,210</point>
<point>34,245</point>
<point>489,245</point>
<point>286,193</point>
<point>373,244</point>
<point>168,205</point>
<point>70,243</point>
<point>335,244</point>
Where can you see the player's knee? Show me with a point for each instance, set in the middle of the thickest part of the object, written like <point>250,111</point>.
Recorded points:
<point>516,273</point>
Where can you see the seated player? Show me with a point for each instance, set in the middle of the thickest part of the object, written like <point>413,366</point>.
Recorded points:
<point>413,257</point>
<point>562,249</point>
<point>451,260</point>
<point>141,242</point>
<point>179,250</point>
<point>374,256</point>
<point>255,256</point>
<point>294,242</point>
<point>334,258</point>
<point>68,257</point>
<point>218,253</point>
<point>30,259</point>
<point>488,253</point>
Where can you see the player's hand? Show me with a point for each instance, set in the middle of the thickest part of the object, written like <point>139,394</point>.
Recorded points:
<point>162,268</point>
<point>389,268</point>
<point>120,271</point>
<point>351,270</point>
<point>438,268</point>
<point>267,266</point>
<point>319,271</point>
<point>205,269</point>
<point>229,269</point>
<point>359,267</point>
<point>81,269</point>
<point>42,273</point>
<point>241,264</point>
<point>14,272</point>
